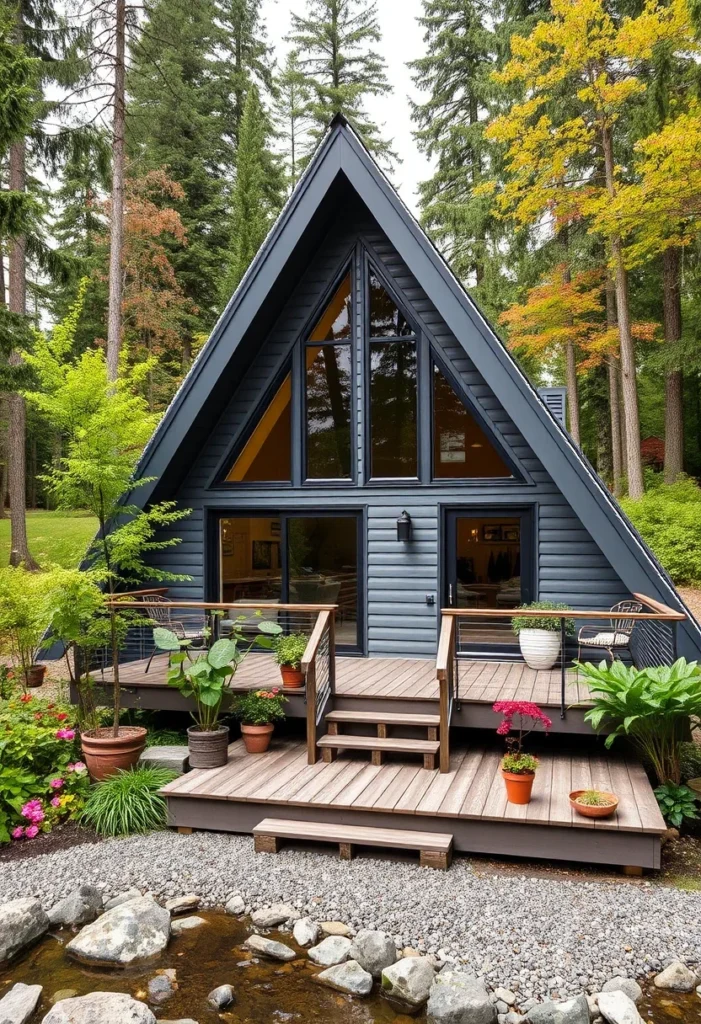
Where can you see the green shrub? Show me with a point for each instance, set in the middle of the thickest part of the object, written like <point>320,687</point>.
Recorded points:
<point>519,763</point>
<point>690,761</point>
<point>259,707</point>
<point>289,650</point>
<point>552,625</point>
<point>668,517</point>
<point>128,803</point>
<point>676,803</point>
<point>166,738</point>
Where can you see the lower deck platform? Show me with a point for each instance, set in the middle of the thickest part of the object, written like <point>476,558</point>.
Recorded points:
<point>469,801</point>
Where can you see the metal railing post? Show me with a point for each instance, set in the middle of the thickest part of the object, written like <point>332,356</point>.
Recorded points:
<point>563,665</point>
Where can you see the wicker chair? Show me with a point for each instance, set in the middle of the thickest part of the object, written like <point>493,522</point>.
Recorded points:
<point>186,627</point>
<point>614,639</point>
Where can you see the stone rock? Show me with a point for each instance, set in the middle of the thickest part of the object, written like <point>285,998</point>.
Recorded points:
<point>348,977</point>
<point>505,995</point>
<point>183,904</point>
<point>374,951</point>
<point>571,1011</point>
<point>63,993</point>
<point>235,906</point>
<point>408,981</point>
<point>126,934</point>
<point>79,907</point>
<point>174,758</point>
<point>334,949</point>
<point>306,932</point>
<point>334,928</point>
<point>22,922</point>
<point>270,917</point>
<point>123,897</point>
<point>100,1008</point>
<point>677,978</point>
<point>618,1008</point>
<point>410,951</point>
<point>17,1005</point>
<point>627,985</point>
<point>268,948</point>
<point>459,998</point>
<point>161,988</point>
<point>186,924</point>
<point>221,997</point>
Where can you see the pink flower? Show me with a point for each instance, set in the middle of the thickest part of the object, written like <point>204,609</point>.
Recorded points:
<point>56,783</point>
<point>18,832</point>
<point>65,734</point>
<point>31,831</point>
<point>78,766</point>
<point>33,811</point>
<point>56,802</point>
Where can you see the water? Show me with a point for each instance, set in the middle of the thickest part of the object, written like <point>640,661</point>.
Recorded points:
<point>266,993</point>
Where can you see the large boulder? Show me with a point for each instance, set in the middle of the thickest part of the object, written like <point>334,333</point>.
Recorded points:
<point>306,932</point>
<point>373,951</point>
<point>677,978</point>
<point>271,917</point>
<point>100,1008</point>
<point>17,1005</point>
<point>348,977</point>
<point>571,1011</point>
<point>22,922</point>
<point>618,1008</point>
<point>332,950</point>
<point>409,981</point>
<point>183,904</point>
<point>129,933</point>
<point>627,985</point>
<point>186,924</point>
<point>122,897</point>
<point>268,948</point>
<point>458,998</point>
<point>80,907</point>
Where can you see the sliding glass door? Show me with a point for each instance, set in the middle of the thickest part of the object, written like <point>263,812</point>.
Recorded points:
<point>296,559</point>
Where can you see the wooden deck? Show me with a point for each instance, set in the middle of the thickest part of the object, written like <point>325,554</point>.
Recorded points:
<point>469,801</point>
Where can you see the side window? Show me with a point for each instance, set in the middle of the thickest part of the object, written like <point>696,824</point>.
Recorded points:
<point>266,456</point>
<point>461,449</point>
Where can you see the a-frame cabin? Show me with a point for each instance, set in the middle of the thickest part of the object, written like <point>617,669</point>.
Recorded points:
<point>354,436</point>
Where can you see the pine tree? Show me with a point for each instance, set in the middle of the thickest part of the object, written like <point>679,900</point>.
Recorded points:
<point>258,192</point>
<point>334,39</point>
<point>292,98</point>
<point>247,56</point>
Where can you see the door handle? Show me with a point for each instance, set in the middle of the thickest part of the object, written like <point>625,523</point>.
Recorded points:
<point>450,594</point>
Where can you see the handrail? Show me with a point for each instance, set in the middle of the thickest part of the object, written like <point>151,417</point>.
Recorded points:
<point>325,623</point>
<point>657,606</point>
<point>445,662</point>
<point>314,640</point>
<point>668,615</point>
<point>228,605</point>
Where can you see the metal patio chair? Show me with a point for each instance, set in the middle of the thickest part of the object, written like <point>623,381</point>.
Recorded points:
<point>616,638</point>
<point>186,627</point>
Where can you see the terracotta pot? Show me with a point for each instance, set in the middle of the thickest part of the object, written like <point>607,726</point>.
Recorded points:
<point>540,648</point>
<point>591,811</point>
<point>257,737</point>
<point>104,753</point>
<point>292,678</point>
<point>208,749</point>
<point>518,787</point>
<point>35,675</point>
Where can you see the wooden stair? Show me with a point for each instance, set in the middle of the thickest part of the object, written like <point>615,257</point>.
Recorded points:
<point>435,848</point>
<point>381,744</point>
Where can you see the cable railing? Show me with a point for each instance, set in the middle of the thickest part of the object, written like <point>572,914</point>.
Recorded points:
<point>319,668</point>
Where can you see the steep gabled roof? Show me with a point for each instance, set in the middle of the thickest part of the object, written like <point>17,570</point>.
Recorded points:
<point>342,156</point>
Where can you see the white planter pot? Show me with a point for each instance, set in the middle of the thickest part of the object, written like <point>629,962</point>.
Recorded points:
<point>539,647</point>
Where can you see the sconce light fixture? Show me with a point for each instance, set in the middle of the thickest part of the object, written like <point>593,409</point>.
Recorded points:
<point>404,527</point>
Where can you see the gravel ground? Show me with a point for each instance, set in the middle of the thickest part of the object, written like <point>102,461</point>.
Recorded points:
<point>536,934</point>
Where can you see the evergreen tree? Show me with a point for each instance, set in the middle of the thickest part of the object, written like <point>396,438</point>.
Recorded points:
<point>258,193</point>
<point>334,39</point>
<point>247,57</point>
<point>292,98</point>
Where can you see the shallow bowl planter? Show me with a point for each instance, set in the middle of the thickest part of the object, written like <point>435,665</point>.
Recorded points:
<point>695,785</point>
<point>592,810</point>
<point>257,737</point>
<point>540,647</point>
<point>292,678</point>
<point>34,675</point>
<point>518,786</point>
<point>208,749</point>
<point>105,754</point>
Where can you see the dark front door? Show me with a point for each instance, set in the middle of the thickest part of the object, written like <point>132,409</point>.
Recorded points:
<point>489,566</point>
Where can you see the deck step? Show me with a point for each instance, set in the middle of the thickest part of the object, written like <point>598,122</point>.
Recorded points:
<point>383,718</point>
<point>380,746</point>
<point>435,847</point>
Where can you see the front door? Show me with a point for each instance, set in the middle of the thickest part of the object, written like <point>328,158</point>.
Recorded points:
<point>489,566</point>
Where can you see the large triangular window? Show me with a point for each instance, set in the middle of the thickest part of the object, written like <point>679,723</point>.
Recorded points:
<point>266,455</point>
<point>461,448</point>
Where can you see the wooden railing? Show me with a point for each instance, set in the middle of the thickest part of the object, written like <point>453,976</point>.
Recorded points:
<point>319,667</point>
<point>447,673</point>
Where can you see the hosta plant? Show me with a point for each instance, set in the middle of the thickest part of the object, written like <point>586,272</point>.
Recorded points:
<point>652,707</point>
<point>676,803</point>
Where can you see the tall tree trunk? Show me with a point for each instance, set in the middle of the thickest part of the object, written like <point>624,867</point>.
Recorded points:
<point>16,411</point>
<point>570,354</point>
<point>614,397</point>
<point>628,382</point>
<point>674,380</point>
<point>114,313</point>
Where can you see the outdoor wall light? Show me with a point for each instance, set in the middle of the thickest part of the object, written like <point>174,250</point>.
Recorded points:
<point>404,527</point>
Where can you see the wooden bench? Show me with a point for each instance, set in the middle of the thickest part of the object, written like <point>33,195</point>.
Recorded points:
<point>435,848</point>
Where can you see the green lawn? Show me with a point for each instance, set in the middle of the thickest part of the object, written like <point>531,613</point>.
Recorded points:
<point>58,538</point>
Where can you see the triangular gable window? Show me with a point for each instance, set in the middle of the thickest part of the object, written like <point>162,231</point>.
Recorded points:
<point>386,319</point>
<point>266,456</point>
<point>461,449</point>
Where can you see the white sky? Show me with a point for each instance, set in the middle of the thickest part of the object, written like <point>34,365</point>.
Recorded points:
<point>402,41</point>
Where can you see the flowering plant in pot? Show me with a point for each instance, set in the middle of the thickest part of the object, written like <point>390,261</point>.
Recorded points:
<point>517,767</point>
<point>257,711</point>
<point>289,651</point>
<point>539,636</point>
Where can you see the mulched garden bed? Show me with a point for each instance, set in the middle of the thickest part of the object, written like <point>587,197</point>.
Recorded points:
<point>63,837</point>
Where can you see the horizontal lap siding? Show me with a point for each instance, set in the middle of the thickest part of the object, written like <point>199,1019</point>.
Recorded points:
<point>399,576</point>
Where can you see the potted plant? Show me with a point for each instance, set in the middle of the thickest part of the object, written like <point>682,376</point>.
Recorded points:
<point>257,711</point>
<point>592,803</point>
<point>539,636</point>
<point>204,675</point>
<point>289,651</point>
<point>23,621</point>
<point>517,767</point>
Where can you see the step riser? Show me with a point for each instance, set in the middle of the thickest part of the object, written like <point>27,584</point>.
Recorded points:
<point>380,704</point>
<point>393,731</point>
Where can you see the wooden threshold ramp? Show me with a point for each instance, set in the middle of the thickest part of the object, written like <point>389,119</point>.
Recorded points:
<point>378,746</point>
<point>435,848</point>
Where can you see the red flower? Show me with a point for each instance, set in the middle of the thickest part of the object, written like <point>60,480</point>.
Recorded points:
<point>38,715</point>
<point>61,716</point>
<point>25,698</point>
